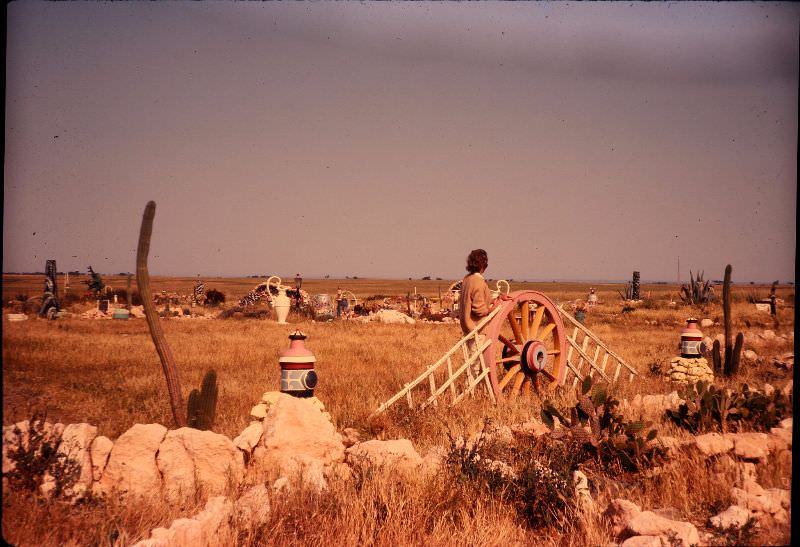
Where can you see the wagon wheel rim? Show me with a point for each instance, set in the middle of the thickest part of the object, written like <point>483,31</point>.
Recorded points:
<point>528,349</point>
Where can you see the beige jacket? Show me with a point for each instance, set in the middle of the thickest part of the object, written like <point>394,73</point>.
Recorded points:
<point>474,301</point>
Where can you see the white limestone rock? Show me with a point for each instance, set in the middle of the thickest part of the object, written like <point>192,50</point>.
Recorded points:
<point>99,451</point>
<point>75,444</point>
<point>298,439</point>
<point>713,444</point>
<point>619,513</point>
<point>131,468</point>
<point>209,528</point>
<point>351,436</point>
<point>648,523</point>
<point>259,411</point>
<point>396,455</point>
<point>642,541</point>
<point>249,438</point>
<point>192,461</point>
<point>253,507</point>
<point>750,446</point>
<point>734,517</point>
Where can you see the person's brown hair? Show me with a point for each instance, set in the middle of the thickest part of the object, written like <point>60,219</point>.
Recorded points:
<point>477,260</point>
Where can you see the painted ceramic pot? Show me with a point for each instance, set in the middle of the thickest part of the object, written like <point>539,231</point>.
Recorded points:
<point>691,338</point>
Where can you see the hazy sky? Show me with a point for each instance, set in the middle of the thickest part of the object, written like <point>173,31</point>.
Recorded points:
<point>571,141</point>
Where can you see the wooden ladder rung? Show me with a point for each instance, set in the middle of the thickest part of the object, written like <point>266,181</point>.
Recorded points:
<point>433,389</point>
<point>594,361</point>
<point>450,375</point>
<point>605,360</point>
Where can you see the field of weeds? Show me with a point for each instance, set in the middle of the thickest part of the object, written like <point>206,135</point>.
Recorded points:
<point>107,373</point>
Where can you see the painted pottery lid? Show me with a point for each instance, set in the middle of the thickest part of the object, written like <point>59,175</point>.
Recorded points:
<point>691,328</point>
<point>297,352</point>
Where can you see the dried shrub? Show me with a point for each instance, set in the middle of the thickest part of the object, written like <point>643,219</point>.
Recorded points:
<point>35,456</point>
<point>627,292</point>
<point>214,298</point>
<point>534,478</point>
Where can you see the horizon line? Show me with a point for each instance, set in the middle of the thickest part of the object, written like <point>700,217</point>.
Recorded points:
<point>430,278</point>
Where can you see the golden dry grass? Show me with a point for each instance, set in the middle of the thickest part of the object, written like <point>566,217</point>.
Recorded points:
<point>107,373</point>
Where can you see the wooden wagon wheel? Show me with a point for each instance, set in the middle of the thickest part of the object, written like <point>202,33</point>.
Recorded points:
<point>528,347</point>
<point>352,301</point>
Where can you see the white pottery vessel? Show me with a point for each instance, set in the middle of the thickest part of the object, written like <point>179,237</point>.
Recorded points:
<point>281,304</point>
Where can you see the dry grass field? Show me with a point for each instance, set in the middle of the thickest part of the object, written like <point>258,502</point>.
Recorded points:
<point>107,373</point>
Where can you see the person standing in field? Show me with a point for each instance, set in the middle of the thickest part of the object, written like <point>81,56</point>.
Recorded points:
<point>476,299</point>
<point>339,304</point>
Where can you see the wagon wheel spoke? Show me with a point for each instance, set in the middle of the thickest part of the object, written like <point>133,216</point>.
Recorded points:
<point>549,375</point>
<point>517,384</point>
<point>537,321</point>
<point>509,375</point>
<point>546,331</point>
<point>535,383</point>
<point>515,328</point>
<point>524,309</point>
<point>509,344</point>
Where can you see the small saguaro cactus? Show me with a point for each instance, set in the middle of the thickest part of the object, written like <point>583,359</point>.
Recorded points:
<point>202,407</point>
<point>732,352</point>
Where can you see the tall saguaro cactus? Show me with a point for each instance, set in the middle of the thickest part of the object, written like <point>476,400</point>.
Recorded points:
<point>732,352</point>
<point>726,312</point>
<point>163,349</point>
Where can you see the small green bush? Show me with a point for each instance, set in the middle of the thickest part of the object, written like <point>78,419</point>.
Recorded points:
<point>709,408</point>
<point>611,441</point>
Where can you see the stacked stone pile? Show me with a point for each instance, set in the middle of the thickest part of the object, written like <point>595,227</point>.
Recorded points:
<point>683,370</point>
<point>95,313</point>
<point>393,317</point>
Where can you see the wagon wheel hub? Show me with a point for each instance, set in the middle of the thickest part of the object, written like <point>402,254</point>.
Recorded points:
<point>533,357</point>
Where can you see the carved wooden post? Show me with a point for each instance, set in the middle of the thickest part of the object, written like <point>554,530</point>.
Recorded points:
<point>635,288</point>
<point>163,349</point>
<point>128,294</point>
